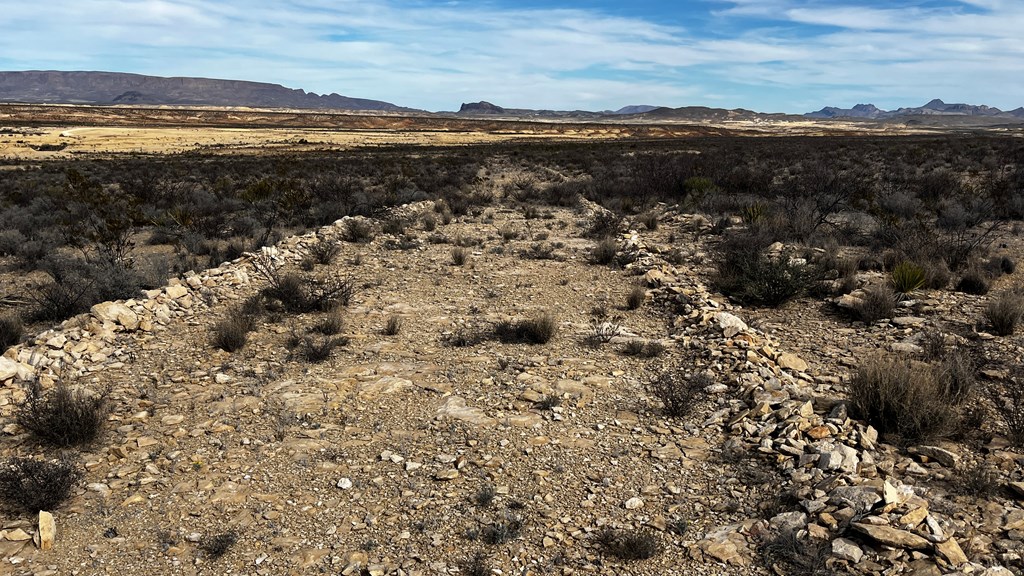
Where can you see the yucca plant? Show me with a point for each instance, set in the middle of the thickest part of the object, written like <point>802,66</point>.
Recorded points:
<point>906,277</point>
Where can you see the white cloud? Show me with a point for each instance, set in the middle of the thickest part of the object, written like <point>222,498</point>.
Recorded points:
<point>434,55</point>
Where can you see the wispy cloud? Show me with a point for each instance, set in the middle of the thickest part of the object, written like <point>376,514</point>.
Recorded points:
<point>763,54</point>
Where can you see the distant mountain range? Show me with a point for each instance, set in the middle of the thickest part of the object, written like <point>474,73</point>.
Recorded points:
<point>934,108</point>
<point>113,88</point>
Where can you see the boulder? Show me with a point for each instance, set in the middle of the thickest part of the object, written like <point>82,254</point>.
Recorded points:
<point>117,313</point>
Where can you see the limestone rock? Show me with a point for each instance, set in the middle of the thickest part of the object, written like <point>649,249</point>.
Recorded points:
<point>952,552</point>
<point>47,531</point>
<point>945,457</point>
<point>729,324</point>
<point>116,312</point>
<point>847,550</point>
<point>891,536</point>
<point>791,362</point>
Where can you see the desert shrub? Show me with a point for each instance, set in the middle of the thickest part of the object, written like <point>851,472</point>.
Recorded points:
<point>538,329</point>
<point>956,374</point>
<point>1008,400</point>
<point>650,220</point>
<point>605,225</point>
<point>395,226</point>
<point>977,480</point>
<point>678,392</point>
<point>904,399</point>
<point>1004,313</point>
<point>747,273</point>
<point>64,416</point>
<point>357,230</point>
<point>484,496</point>
<point>643,349</point>
<point>331,324</point>
<point>906,277</point>
<point>461,337</point>
<point>323,251</point>
<point>30,485</point>
<point>1007,265</point>
<point>300,294</point>
<point>974,282</point>
<point>11,331</point>
<point>317,349</point>
<point>788,554</point>
<point>878,302</point>
<point>603,329</point>
<point>459,255</point>
<point>635,298</point>
<point>548,402</point>
<point>604,252</point>
<point>393,325</point>
<point>503,531</point>
<point>218,545</point>
<point>429,222</point>
<point>629,544</point>
<point>475,565</point>
<point>231,333</point>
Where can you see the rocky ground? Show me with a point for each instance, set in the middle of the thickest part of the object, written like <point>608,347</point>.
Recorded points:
<point>410,453</point>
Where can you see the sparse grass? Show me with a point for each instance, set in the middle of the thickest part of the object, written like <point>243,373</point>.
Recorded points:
<point>459,255</point>
<point>462,337</point>
<point>548,402</point>
<point>603,330</point>
<point>30,485</point>
<point>331,324</point>
<point>977,480</point>
<point>11,331</point>
<point>604,251</point>
<point>502,531</point>
<point>539,329</point>
<point>64,416</point>
<point>317,349</point>
<point>484,496</point>
<point>639,544</point>
<point>218,545</point>
<point>679,392</point>
<point>904,399</point>
<point>877,303</point>
<point>231,333</point>
<point>1004,313</point>
<point>393,325</point>
<point>635,298</point>
<point>475,565</point>
<point>359,231</point>
<point>793,556</point>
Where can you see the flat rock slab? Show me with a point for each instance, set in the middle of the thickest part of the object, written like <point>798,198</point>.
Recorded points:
<point>891,536</point>
<point>455,407</point>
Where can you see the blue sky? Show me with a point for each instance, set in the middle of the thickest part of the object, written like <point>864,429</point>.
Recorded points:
<point>766,55</point>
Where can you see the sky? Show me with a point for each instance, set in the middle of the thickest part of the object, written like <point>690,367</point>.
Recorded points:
<point>766,55</point>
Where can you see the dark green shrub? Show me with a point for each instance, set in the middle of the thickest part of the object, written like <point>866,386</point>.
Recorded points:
<point>1004,313</point>
<point>748,274</point>
<point>974,282</point>
<point>906,277</point>
<point>64,416</point>
<point>30,485</point>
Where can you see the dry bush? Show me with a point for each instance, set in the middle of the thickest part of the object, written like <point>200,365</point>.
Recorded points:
<point>679,392</point>
<point>745,272</point>
<point>317,349</point>
<point>635,298</point>
<point>64,416</point>
<point>642,349</point>
<point>323,251</point>
<point>216,546</point>
<point>974,281</point>
<point>639,544</point>
<point>475,565</point>
<point>11,331</point>
<point>790,555</point>
<point>604,252</point>
<point>538,329</point>
<point>878,302</point>
<point>502,531</point>
<point>30,485</point>
<point>331,324</point>
<point>393,325</point>
<point>231,333</point>
<point>358,231</point>
<point>1004,313</point>
<point>905,399</point>
<point>459,255</point>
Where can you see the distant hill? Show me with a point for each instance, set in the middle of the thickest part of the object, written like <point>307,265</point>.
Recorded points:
<point>934,108</point>
<point>112,88</point>
<point>481,107</point>
<point>635,109</point>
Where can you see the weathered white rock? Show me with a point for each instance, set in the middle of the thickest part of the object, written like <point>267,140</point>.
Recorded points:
<point>891,536</point>
<point>634,503</point>
<point>47,531</point>
<point>729,324</point>
<point>847,550</point>
<point>116,312</point>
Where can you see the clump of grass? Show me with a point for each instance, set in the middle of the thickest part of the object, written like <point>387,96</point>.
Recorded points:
<point>642,349</point>
<point>30,485</point>
<point>475,565</point>
<point>678,392</point>
<point>484,496</point>
<point>459,255</point>
<point>603,330</point>
<point>977,480</point>
<point>461,337</point>
<point>974,282</point>
<point>64,417</point>
<point>878,302</point>
<point>231,333</point>
<point>317,349</point>
<point>393,325</point>
<point>323,251</point>
<point>329,325</point>
<point>650,220</point>
<point>218,545</point>
<point>548,402</point>
<point>358,231</point>
<point>11,331</point>
<point>629,544</point>
<point>790,555</point>
<point>539,329</point>
<point>904,399</point>
<point>604,251</point>
<point>1004,313</point>
<point>907,277</point>
<point>502,531</point>
<point>635,298</point>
